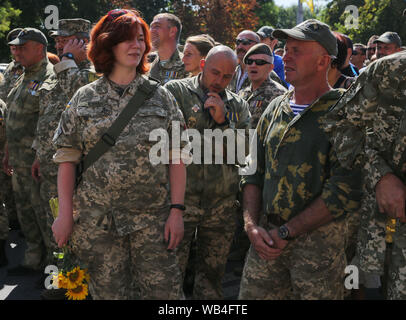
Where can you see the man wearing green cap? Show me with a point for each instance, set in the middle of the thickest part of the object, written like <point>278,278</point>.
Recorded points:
<point>21,120</point>
<point>295,203</point>
<point>73,72</point>
<point>388,43</point>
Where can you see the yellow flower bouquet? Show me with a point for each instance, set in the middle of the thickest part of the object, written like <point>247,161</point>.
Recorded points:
<point>70,276</point>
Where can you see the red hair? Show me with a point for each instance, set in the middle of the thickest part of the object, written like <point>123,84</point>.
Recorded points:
<point>116,26</point>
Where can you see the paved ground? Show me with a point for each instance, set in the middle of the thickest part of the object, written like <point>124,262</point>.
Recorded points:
<point>27,287</point>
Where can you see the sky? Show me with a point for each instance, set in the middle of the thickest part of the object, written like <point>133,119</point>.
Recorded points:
<point>288,3</point>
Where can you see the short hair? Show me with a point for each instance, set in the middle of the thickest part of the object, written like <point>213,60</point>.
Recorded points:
<point>111,30</point>
<point>360,45</point>
<point>174,21</point>
<point>202,42</point>
<point>339,60</point>
<point>372,39</point>
<point>53,58</point>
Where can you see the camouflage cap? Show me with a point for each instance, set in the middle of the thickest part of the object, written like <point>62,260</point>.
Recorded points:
<point>13,34</point>
<point>27,34</point>
<point>311,30</point>
<point>265,32</point>
<point>259,48</point>
<point>71,27</point>
<point>389,37</point>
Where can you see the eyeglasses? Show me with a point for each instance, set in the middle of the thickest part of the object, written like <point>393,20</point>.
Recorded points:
<point>371,49</point>
<point>258,62</point>
<point>114,14</point>
<point>245,42</point>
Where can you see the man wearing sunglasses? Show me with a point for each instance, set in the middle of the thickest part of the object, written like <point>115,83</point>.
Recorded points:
<point>388,43</point>
<point>245,40</point>
<point>295,202</point>
<point>359,55</point>
<point>259,63</point>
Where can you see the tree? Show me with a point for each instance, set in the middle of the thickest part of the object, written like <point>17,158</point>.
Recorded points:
<point>7,14</point>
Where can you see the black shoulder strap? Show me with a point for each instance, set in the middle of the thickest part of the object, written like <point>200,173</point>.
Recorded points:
<point>144,92</point>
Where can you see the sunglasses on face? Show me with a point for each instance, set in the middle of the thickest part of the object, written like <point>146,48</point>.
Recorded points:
<point>245,42</point>
<point>371,49</point>
<point>258,62</point>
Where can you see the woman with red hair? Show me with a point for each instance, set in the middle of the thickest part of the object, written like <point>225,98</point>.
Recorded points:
<point>123,201</point>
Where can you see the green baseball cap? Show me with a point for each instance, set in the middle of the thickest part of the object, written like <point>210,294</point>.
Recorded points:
<point>311,30</point>
<point>71,27</point>
<point>259,48</point>
<point>27,34</point>
<point>390,37</point>
<point>13,34</point>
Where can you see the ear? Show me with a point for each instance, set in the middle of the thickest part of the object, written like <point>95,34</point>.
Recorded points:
<point>324,62</point>
<point>172,32</point>
<point>202,64</point>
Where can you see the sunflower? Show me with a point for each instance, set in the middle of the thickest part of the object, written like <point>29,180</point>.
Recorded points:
<point>78,293</point>
<point>61,281</point>
<point>74,278</point>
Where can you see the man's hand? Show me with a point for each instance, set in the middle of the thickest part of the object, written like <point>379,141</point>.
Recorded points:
<point>35,172</point>
<point>263,243</point>
<point>278,242</point>
<point>391,196</point>
<point>77,48</point>
<point>216,107</point>
<point>174,228</point>
<point>7,169</point>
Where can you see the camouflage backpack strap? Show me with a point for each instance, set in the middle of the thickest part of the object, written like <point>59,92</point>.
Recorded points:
<point>144,92</point>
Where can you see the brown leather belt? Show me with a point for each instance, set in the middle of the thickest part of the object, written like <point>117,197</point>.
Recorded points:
<point>276,220</point>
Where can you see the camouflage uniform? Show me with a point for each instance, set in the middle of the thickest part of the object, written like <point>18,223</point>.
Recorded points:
<point>367,128</point>
<point>259,99</point>
<point>171,69</point>
<point>123,200</point>
<point>13,71</point>
<point>21,121</point>
<point>3,215</point>
<point>54,94</point>
<point>210,191</point>
<point>296,165</point>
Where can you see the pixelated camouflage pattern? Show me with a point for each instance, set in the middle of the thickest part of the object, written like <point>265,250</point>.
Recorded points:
<point>3,214</point>
<point>311,267</point>
<point>13,71</point>
<point>69,27</point>
<point>259,99</point>
<point>368,129</point>
<point>397,269</point>
<point>296,164</point>
<point>215,230</point>
<point>208,185</point>
<point>123,182</point>
<point>133,266</point>
<point>173,68</point>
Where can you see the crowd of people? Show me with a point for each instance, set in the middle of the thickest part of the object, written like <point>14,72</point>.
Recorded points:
<point>329,152</point>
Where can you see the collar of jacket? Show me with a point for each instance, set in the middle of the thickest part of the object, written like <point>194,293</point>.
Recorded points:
<point>106,85</point>
<point>174,60</point>
<point>37,67</point>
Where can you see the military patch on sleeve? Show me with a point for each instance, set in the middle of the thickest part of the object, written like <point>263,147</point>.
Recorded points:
<point>68,105</point>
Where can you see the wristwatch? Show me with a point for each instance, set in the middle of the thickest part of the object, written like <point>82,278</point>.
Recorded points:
<point>68,55</point>
<point>283,233</point>
<point>178,206</point>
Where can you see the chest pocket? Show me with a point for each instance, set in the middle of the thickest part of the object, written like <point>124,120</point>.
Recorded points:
<point>151,120</point>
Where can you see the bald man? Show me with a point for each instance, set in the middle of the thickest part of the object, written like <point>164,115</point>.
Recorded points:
<point>295,202</point>
<point>211,188</point>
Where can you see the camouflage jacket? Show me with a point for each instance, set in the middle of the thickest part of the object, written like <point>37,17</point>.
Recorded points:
<point>207,185</point>
<point>173,68</point>
<point>52,101</point>
<point>260,98</point>
<point>13,71</point>
<point>296,163</point>
<point>123,183</point>
<point>368,124</point>
<point>2,128</point>
<point>23,111</point>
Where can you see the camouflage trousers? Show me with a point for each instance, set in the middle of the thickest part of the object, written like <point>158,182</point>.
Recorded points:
<point>135,266</point>
<point>48,190</point>
<point>31,217</point>
<point>397,266</point>
<point>214,230</point>
<point>311,267</point>
<point>6,189</point>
